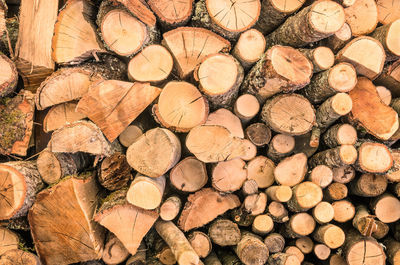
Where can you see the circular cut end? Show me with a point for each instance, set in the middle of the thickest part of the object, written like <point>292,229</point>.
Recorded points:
<point>288,7</point>
<point>344,211</point>
<point>189,175</point>
<point>366,252</point>
<point>348,154</point>
<point>346,134</point>
<point>291,170</point>
<point>13,191</point>
<point>200,243</point>
<point>277,209</point>
<point>251,150</point>
<point>291,64</point>
<point>384,94</point>
<point>308,194</point>
<point>393,38</point>
<point>169,210</point>
<point>344,33</point>
<point>49,167</point>
<point>218,74</point>
<point>326,16</point>
<point>305,244</point>
<point>283,143</point>
<point>188,257</point>
<point>250,46</point>
<point>375,158</point>
<point>261,169</point>
<point>342,77</point>
<point>130,135</point>
<point>295,251</point>
<point>229,176</point>
<point>321,175</point>
<point>342,103</point>
<point>145,195</point>
<point>388,209</point>
<point>247,106</point>
<point>153,64</point>
<point>263,224</point>
<point>123,33</point>
<point>322,251</point>
<point>302,224</point>
<point>323,212</point>
<point>334,236</point>
<point>324,57</point>
<point>181,106</point>
<point>234,16</point>
<point>283,193</point>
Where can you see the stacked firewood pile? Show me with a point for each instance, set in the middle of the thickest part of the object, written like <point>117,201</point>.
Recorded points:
<point>214,132</point>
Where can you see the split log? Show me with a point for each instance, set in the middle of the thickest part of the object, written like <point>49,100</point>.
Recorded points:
<point>275,242</point>
<point>16,123</point>
<point>121,32</point>
<point>9,240</point>
<point>227,119</point>
<point>71,83</point>
<point>115,212</point>
<point>229,176</point>
<point>146,192</point>
<point>19,257</point>
<point>189,175</point>
<point>280,193</point>
<point>313,23</point>
<point>374,158</point>
<point>114,251</point>
<point>386,208</point>
<point>130,135</point>
<point>34,45</point>
<point>336,157</point>
<point>180,107</point>
<point>392,250</point>
<point>291,170</point>
<point>262,224</point>
<point>80,136</point>
<point>220,16</point>
<point>335,192</point>
<point>249,48</point>
<point>170,208</point>
<point>140,10</point>
<point>305,244</point>
<point>283,259</point>
<point>339,38</point>
<point>72,26</point>
<point>55,166</point>
<point>299,225</point>
<point>246,107</point>
<point>224,232</point>
<point>154,153</point>
<point>114,172</point>
<point>172,14</point>
<point>249,187</point>
<point>280,146</point>
<point>330,235</point>
<point>258,133</point>
<point>74,198</point>
<point>197,43</point>
<point>362,17</point>
<point>340,78</point>
<point>9,76</point>
<point>278,212</point>
<point>321,175</point>
<point>20,184</point>
<point>323,212</point>
<point>201,243</point>
<point>219,76</point>
<point>369,66</point>
<point>340,134</point>
<point>60,115</point>
<point>180,246</point>
<point>251,250</point>
<point>384,94</point>
<point>388,11</point>
<point>255,204</point>
<point>152,64</point>
<point>343,174</point>
<point>305,196</point>
<point>344,211</point>
<point>388,37</point>
<point>321,57</point>
<point>369,185</point>
<point>214,143</point>
<point>332,109</point>
<point>280,69</point>
<point>204,206</point>
<point>261,169</point>
<point>366,224</point>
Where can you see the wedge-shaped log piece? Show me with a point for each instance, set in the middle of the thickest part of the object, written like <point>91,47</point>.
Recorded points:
<point>227,119</point>
<point>128,222</point>
<point>214,143</point>
<point>114,104</point>
<point>388,35</point>
<point>61,222</point>
<point>75,33</point>
<point>61,115</point>
<point>362,17</point>
<point>16,123</point>
<point>204,206</point>
<point>8,77</point>
<point>172,13</point>
<point>370,112</point>
<point>80,136</point>
<point>154,153</point>
<point>390,78</point>
<point>140,10</point>
<point>189,46</point>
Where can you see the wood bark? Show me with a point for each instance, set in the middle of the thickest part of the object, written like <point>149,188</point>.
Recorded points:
<point>339,38</point>
<point>275,242</point>
<point>9,79</point>
<point>114,172</point>
<point>335,157</point>
<point>258,133</point>
<point>224,232</point>
<point>332,109</point>
<point>387,36</point>
<point>321,57</point>
<point>251,250</point>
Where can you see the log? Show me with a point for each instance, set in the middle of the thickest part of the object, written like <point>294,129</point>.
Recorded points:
<point>156,143</point>
<point>290,114</point>
<point>390,78</point>
<point>323,212</point>
<point>280,193</point>
<point>219,76</point>
<point>115,212</point>
<point>374,158</point>
<point>367,225</point>
<point>281,146</point>
<point>16,123</point>
<point>197,210</point>
<point>212,259</point>
<point>227,119</point>
<point>393,174</point>
<point>152,64</point>
<point>261,169</point>
<point>130,135</point>
<point>255,204</point>
<point>321,175</point>
<point>9,78</point>
<point>322,252</point>
<point>305,196</point>
<point>342,77</point>
<point>146,192</point>
<point>249,187</point>
<point>189,175</point>
<point>335,192</point>
<point>114,172</point>
<point>229,176</point>
<point>60,115</point>
<point>336,157</point>
<point>384,94</point>
<point>299,225</point>
<point>201,243</point>
<point>55,166</point>
<point>224,232</point>
<point>163,252</point>
<point>386,208</point>
<point>71,26</point>
<point>20,184</point>
<point>305,244</point>
<point>140,10</point>
<point>332,109</point>
<point>369,185</point>
<point>262,224</point>
<point>330,235</point>
<point>321,57</point>
<point>246,107</point>
<point>340,134</point>
<point>368,66</point>
<point>339,38</point>
<point>19,257</point>
<point>114,251</point>
<point>189,41</point>
<point>249,48</point>
<point>311,24</point>
<point>50,218</point>
<point>180,107</point>
<point>388,11</point>
<point>170,208</point>
<point>343,174</point>
<point>275,242</point>
<point>283,259</point>
<point>393,250</point>
<point>10,37</point>
<point>258,133</point>
<point>344,211</point>
<point>36,27</point>
<point>273,73</point>
<point>362,17</point>
<point>251,250</point>
<point>278,212</point>
<point>387,35</point>
<point>172,14</point>
<point>291,170</point>
<point>306,143</point>
<point>295,251</point>
<point>9,240</point>
<point>219,16</point>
